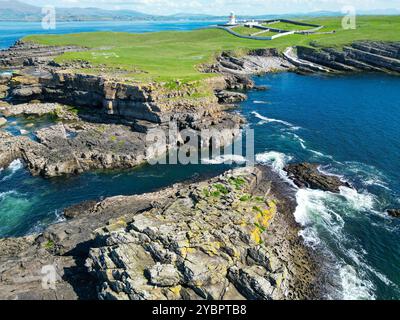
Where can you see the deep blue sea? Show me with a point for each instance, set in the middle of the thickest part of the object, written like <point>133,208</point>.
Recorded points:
<point>349,124</point>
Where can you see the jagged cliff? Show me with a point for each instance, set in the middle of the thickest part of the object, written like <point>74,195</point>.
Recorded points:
<point>109,129</point>
<point>359,56</point>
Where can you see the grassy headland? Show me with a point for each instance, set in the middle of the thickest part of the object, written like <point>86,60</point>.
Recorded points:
<point>287,26</point>
<point>170,56</point>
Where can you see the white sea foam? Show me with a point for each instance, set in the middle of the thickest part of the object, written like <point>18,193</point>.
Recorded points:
<point>6,193</point>
<point>358,259</point>
<point>13,168</point>
<point>277,161</point>
<point>265,120</point>
<point>15,165</point>
<point>369,175</point>
<point>359,201</point>
<point>355,288</point>
<point>300,140</point>
<point>320,214</point>
<point>260,102</point>
<point>225,159</point>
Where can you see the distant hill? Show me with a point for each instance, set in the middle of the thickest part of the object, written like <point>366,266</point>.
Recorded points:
<point>18,11</point>
<point>15,10</point>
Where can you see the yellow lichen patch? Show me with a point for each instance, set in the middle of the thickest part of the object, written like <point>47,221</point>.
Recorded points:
<point>272,205</point>
<point>263,219</point>
<point>256,235</point>
<point>211,248</point>
<point>186,250</point>
<point>23,79</point>
<point>176,290</point>
<point>116,225</point>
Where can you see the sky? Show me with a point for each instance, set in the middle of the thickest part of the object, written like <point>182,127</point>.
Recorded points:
<point>224,7</point>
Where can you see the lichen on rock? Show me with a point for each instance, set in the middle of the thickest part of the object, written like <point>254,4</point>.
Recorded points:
<point>200,241</point>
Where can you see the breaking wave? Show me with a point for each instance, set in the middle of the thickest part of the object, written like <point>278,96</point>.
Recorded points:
<point>260,102</point>
<point>323,216</point>
<point>265,120</point>
<point>225,159</point>
<point>12,169</point>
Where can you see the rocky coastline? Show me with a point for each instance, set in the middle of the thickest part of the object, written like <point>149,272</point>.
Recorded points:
<point>127,111</point>
<point>228,237</point>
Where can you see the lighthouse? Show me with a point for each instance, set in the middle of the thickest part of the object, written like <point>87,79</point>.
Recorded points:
<point>232,19</point>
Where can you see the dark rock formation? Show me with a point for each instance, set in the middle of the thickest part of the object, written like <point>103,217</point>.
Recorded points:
<point>394,213</point>
<point>225,96</point>
<point>306,175</point>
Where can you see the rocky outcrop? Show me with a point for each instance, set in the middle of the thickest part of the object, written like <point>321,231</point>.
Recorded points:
<point>11,147</point>
<point>28,53</point>
<point>141,106</point>
<point>50,265</point>
<point>259,61</point>
<point>359,56</point>
<point>223,238</point>
<point>307,175</point>
<point>39,109</point>
<point>80,208</point>
<point>73,145</point>
<point>5,78</point>
<point>394,213</point>
<point>77,147</point>
<point>4,84</point>
<point>229,97</point>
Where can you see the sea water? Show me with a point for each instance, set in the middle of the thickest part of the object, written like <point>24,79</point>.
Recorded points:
<point>351,126</point>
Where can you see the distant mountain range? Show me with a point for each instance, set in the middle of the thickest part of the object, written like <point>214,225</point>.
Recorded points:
<point>19,11</point>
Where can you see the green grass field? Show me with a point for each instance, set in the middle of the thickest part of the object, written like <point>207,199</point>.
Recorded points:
<point>251,31</point>
<point>266,34</point>
<point>170,56</point>
<point>245,30</point>
<point>287,26</point>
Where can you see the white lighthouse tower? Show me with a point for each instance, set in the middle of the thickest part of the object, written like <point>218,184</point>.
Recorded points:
<point>232,19</point>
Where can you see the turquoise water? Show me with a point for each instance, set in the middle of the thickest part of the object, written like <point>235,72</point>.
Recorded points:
<point>12,31</point>
<point>349,124</point>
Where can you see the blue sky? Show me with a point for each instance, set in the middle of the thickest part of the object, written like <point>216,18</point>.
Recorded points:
<point>223,7</point>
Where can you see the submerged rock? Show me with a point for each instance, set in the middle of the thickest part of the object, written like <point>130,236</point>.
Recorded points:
<point>307,175</point>
<point>394,213</point>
